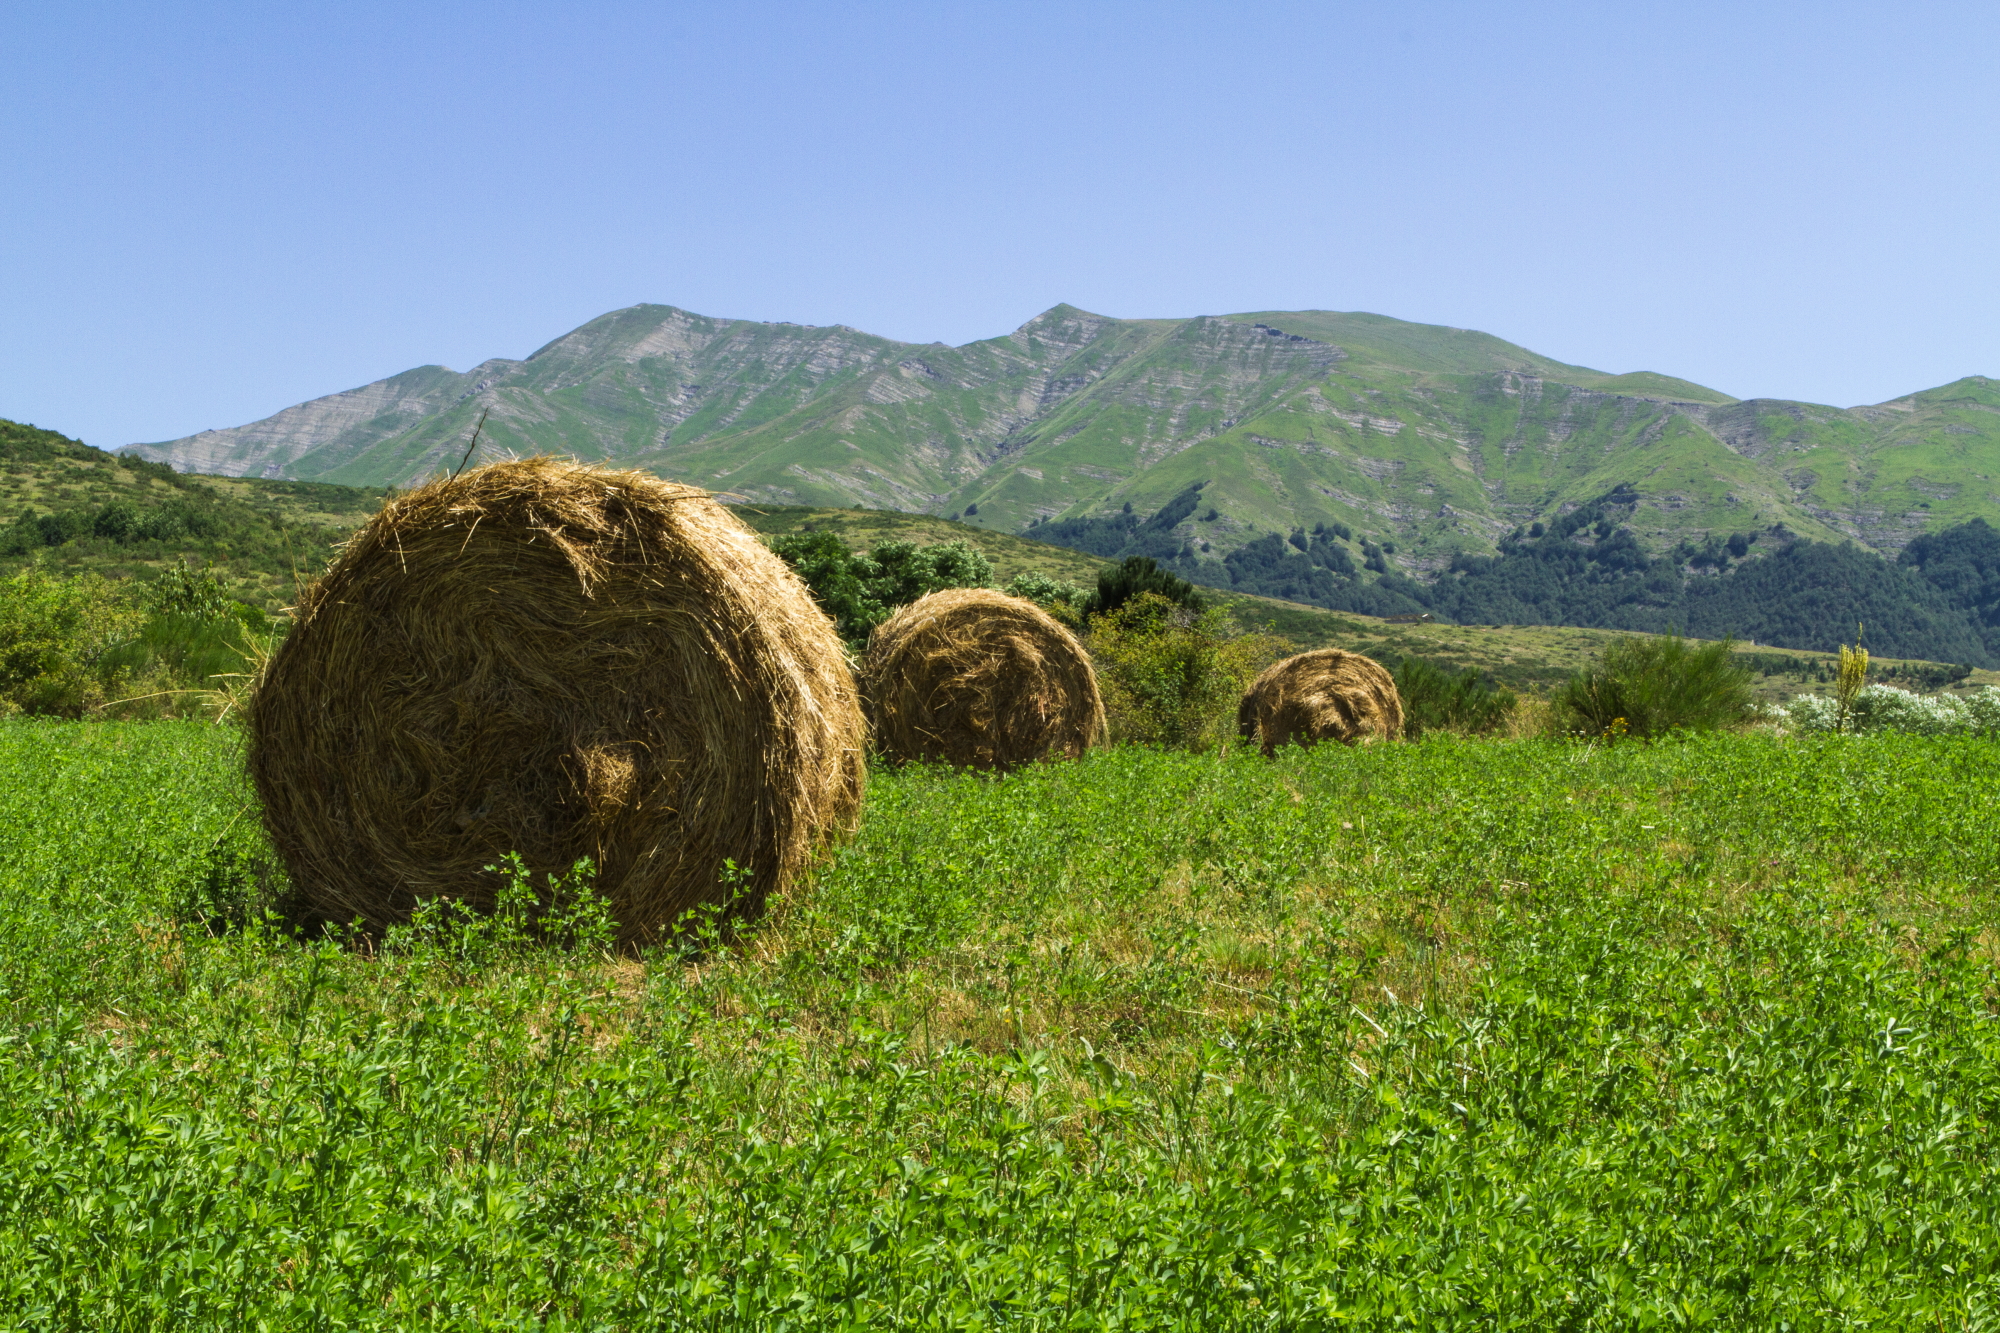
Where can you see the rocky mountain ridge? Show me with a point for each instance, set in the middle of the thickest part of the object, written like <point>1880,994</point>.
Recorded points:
<point>1434,440</point>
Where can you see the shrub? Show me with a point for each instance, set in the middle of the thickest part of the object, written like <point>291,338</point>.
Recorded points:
<point>1439,699</point>
<point>1046,592</point>
<point>861,591</point>
<point>826,565</point>
<point>1171,674</point>
<point>71,646</point>
<point>898,573</point>
<point>1886,708</point>
<point>181,589</point>
<point>1649,686</point>
<point>56,640</point>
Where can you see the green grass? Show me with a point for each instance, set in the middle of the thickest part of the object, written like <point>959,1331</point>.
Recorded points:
<point>1443,1035</point>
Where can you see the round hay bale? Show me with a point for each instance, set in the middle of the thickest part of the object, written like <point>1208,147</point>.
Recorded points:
<point>562,661</point>
<point>977,679</point>
<point>1322,695</point>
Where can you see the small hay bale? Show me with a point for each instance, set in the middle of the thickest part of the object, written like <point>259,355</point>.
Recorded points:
<point>977,679</point>
<point>1322,695</point>
<point>562,661</point>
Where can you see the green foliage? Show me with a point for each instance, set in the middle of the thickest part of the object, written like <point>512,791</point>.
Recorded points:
<point>57,642</point>
<point>182,590</point>
<point>899,572</point>
<point>1587,568</point>
<point>565,913</point>
<point>1172,674</point>
<point>1138,576</point>
<point>1440,699</point>
<point>859,592</point>
<point>77,645</point>
<point>1653,686</point>
<point>1442,1036</point>
<point>1046,591</point>
<point>1963,562</point>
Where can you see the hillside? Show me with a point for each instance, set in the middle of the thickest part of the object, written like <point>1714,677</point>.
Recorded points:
<point>78,508</point>
<point>1531,658</point>
<point>1430,442</point>
<point>74,508</point>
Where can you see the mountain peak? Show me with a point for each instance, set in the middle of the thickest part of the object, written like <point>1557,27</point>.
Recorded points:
<point>1439,439</point>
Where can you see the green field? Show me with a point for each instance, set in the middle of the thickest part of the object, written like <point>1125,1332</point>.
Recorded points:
<point>1442,1035</point>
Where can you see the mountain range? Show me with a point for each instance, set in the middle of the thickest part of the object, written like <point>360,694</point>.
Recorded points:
<point>1435,442</point>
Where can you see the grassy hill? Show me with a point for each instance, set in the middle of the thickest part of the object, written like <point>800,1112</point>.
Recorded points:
<point>71,508</point>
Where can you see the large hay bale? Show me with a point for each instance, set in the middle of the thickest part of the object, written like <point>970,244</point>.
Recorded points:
<point>1322,695</point>
<point>562,661</point>
<point>978,679</point>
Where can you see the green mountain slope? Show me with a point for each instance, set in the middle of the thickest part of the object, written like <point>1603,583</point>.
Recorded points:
<point>1435,440</point>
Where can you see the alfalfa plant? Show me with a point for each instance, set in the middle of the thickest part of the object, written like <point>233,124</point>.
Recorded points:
<point>566,913</point>
<point>1656,684</point>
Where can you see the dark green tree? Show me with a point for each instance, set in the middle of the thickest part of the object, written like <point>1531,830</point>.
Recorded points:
<point>1138,574</point>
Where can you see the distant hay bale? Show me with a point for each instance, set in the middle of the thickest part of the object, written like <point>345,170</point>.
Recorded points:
<point>978,679</point>
<point>1322,695</point>
<point>562,661</point>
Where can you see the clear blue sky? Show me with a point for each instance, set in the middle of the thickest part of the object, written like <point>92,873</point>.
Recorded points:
<point>216,210</point>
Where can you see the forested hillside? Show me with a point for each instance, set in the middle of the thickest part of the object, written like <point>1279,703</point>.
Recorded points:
<point>77,507</point>
<point>1939,601</point>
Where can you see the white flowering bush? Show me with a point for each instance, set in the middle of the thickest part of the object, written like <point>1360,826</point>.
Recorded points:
<point>1813,712</point>
<point>1885,708</point>
<point>1042,589</point>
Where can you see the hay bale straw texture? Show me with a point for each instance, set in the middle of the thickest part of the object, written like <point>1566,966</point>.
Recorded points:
<point>562,661</point>
<point>978,679</point>
<point>1322,695</point>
